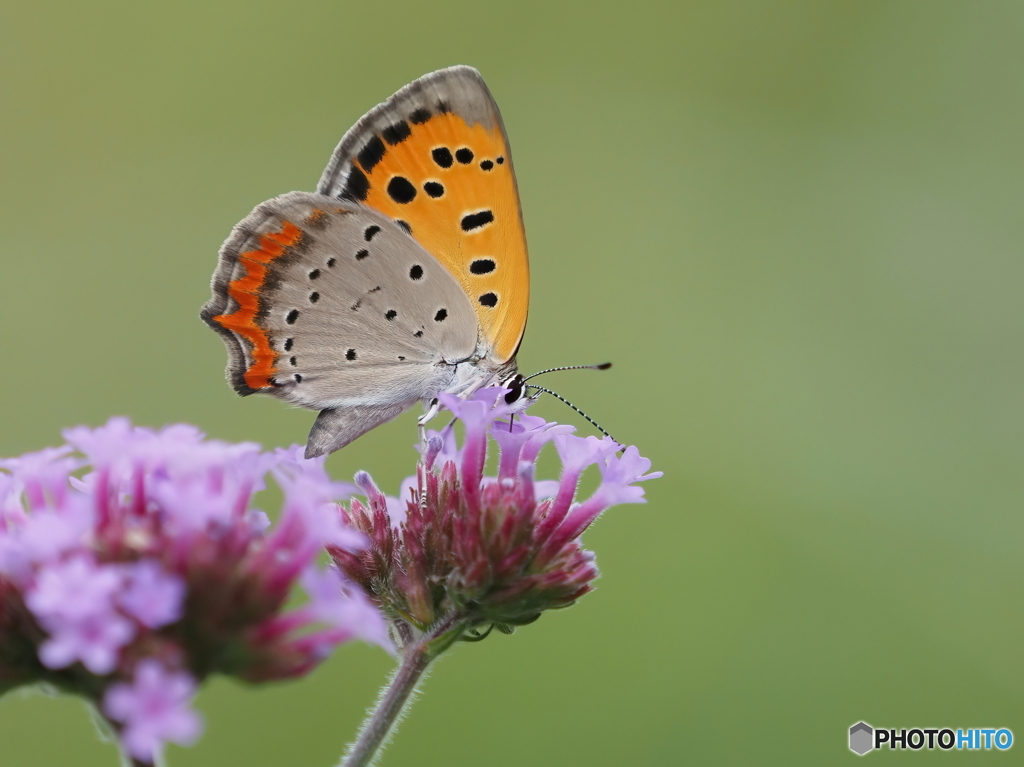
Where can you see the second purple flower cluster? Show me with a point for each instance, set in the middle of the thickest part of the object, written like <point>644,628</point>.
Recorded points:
<point>132,566</point>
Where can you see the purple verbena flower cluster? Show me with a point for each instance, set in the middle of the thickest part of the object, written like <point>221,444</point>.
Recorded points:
<point>132,567</point>
<point>470,551</point>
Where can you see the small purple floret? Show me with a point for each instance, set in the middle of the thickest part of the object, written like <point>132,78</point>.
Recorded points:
<point>74,589</point>
<point>153,596</point>
<point>154,709</point>
<point>95,640</point>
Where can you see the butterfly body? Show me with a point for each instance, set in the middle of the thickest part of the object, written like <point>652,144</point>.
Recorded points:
<point>404,275</point>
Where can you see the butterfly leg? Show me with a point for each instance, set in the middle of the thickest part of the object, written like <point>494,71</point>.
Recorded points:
<point>432,411</point>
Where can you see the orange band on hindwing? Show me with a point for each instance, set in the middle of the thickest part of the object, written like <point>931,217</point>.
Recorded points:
<point>246,292</point>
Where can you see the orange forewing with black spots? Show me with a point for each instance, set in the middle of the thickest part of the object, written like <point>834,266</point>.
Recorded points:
<point>452,185</point>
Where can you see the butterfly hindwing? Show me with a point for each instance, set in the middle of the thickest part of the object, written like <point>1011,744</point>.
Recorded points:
<point>333,306</point>
<point>435,158</point>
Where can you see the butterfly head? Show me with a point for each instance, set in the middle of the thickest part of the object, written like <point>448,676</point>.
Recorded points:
<point>516,385</point>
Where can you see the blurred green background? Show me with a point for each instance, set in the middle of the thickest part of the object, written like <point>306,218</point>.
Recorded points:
<point>796,229</point>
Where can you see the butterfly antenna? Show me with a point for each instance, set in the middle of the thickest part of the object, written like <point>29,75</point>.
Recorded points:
<point>559,397</point>
<point>602,366</point>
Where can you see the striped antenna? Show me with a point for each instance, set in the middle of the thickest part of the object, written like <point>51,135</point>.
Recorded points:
<point>559,397</point>
<point>602,366</point>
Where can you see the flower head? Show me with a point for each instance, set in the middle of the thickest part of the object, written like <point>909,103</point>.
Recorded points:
<point>477,551</point>
<point>133,581</point>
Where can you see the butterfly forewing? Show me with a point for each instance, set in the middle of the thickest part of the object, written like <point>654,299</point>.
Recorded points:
<point>435,158</point>
<point>331,305</point>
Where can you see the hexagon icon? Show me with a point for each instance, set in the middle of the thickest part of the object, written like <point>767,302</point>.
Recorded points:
<point>862,738</point>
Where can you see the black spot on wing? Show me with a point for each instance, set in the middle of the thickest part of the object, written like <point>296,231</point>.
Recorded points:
<point>404,225</point>
<point>443,156</point>
<point>292,316</point>
<point>500,160</point>
<point>361,254</point>
<point>486,165</point>
<point>397,133</point>
<point>443,108</point>
<point>288,344</point>
<point>441,316</point>
<point>331,261</point>
<point>420,116</point>
<point>357,186</point>
<point>401,190</point>
<point>464,155</point>
<point>434,189</point>
<point>314,274</point>
<point>350,355</point>
<point>298,378</point>
<point>372,153</point>
<point>390,315</point>
<point>489,300</point>
<point>370,231</point>
<point>482,266</point>
<point>416,272</point>
<point>473,221</point>
<point>314,297</point>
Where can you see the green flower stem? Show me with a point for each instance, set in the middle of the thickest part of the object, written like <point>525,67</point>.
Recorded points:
<point>397,694</point>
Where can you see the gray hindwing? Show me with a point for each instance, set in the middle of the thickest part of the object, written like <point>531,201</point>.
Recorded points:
<point>361,321</point>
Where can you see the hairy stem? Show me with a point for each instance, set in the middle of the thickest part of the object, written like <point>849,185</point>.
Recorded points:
<point>397,694</point>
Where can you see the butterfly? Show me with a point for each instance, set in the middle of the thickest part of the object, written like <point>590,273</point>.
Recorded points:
<point>404,275</point>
